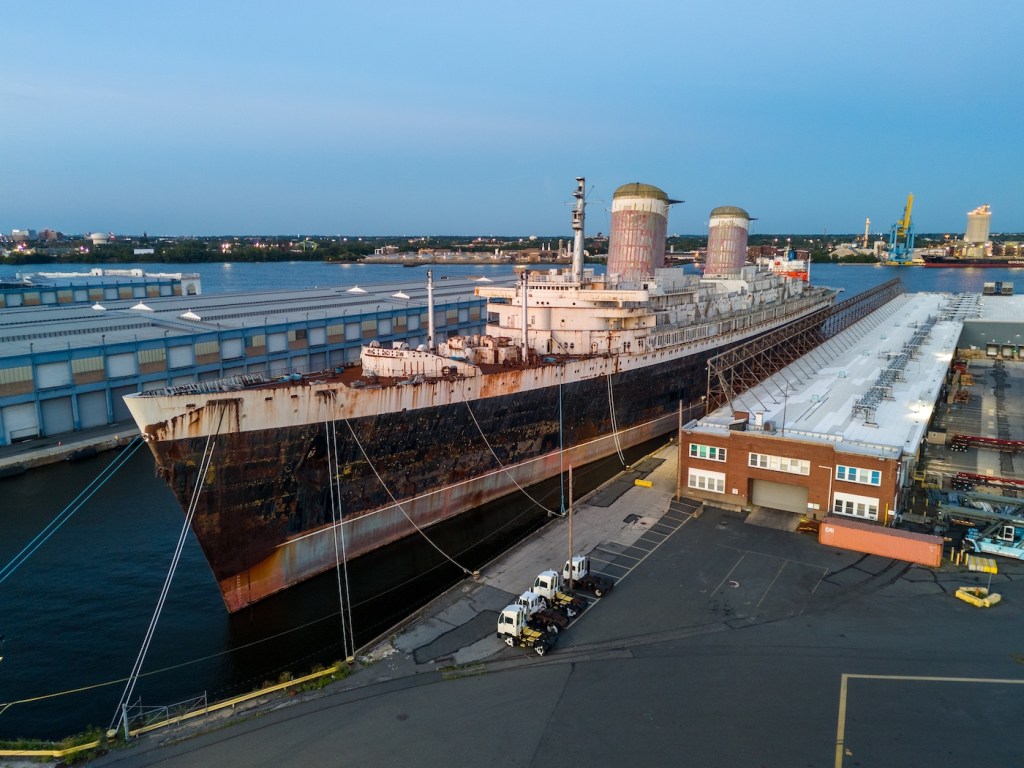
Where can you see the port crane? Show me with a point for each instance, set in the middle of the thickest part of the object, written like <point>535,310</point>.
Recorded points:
<point>901,238</point>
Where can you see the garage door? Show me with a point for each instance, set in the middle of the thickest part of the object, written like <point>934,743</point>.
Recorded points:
<point>57,416</point>
<point>792,498</point>
<point>117,394</point>
<point>20,422</point>
<point>92,409</point>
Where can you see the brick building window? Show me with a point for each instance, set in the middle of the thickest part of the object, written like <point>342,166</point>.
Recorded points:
<point>863,507</point>
<point>858,475</point>
<point>707,481</point>
<point>780,464</point>
<point>710,452</point>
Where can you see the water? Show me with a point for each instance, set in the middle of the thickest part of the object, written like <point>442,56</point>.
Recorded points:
<point>235,277</point>
<point>244,276</point>
<point>75,614</point>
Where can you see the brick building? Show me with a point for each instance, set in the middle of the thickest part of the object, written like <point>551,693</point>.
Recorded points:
<point>838,431</point>
<point>757,468</point>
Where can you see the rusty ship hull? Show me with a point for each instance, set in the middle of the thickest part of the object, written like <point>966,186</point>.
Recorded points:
<point>265,516</point>
<point>283,480</point>
<point>420,453</point>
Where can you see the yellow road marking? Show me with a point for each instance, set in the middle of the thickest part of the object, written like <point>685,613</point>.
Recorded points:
<point>841,726</point>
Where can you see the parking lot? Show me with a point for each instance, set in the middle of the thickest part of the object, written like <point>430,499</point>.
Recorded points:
<point>722,644</point>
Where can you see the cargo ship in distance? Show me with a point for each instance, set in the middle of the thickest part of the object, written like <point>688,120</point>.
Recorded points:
<point>283,479</point>
<point>976,249</point>
<point>968,262</point>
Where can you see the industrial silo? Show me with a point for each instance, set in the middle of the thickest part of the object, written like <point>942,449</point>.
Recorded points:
<point>978,222</point>
<point>636,243</point>
<point>727,242</point>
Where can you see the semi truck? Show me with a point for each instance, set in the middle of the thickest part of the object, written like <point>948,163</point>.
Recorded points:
<point>514,630</point>
<point>539,615</point>
<point>579,574</point>
<point>551,588</point>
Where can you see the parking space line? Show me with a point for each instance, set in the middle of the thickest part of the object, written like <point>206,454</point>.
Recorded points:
<point>775,557</point>
<point>777,574</point>
<point>610,555</point>
<point>607,564</point>
<point>683,519</point>
<point>646,552</point>
<point>728,574</point>
<point>844,688</point>
<point>652,532</point>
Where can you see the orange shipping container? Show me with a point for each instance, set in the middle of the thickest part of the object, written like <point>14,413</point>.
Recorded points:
<point>878,540</point>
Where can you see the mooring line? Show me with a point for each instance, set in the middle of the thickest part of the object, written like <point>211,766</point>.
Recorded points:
<point>66,514</point>
<point>401,509</point>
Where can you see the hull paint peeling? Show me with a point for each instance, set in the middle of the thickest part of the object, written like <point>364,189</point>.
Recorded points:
<point>290,477</point>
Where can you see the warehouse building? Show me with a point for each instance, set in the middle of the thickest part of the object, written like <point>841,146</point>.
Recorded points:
<point>840,430</point>
<point>65,367</point>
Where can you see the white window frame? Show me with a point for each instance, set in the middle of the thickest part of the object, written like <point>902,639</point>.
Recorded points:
<point>779,463</point>
<point>702,480</point>
<point>707,452</point>
<point>857,507</point>
<point>848,474</point>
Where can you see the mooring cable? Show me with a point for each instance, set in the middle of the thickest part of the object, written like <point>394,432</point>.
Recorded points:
<point>204,466</point>
<point>334,486</point>
<point>399,506</point>
<point>341,529</point>
<point>502,466</point>
<point>614,422</point>
<point>66,514</point>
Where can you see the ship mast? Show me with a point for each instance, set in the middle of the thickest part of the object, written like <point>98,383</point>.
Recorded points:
<point>430,310</point>
<point>526,316</point>
<point>577,229</point>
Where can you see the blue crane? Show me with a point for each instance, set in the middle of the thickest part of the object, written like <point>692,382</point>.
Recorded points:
<point>901,238</point>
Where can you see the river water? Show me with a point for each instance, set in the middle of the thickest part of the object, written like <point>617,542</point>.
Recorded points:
<point>75,614</point>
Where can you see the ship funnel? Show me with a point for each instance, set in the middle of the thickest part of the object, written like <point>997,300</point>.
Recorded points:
<point>727,242</point>
<point>636,243</point>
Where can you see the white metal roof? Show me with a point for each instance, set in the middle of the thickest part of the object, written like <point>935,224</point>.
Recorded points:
<point>815,397</point>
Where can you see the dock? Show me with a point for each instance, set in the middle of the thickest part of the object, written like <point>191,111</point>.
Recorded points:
<point>720,635</point>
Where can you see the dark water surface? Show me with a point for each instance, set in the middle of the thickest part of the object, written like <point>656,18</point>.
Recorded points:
<point>74,615</point>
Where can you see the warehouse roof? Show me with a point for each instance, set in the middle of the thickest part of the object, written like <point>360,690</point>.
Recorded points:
<point>58,327</point>
<point>871,388</point>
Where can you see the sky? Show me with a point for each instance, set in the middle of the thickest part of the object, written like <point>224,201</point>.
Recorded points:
<point>474,118</point>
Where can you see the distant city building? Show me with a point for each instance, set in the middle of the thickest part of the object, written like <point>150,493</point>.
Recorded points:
<point>144,251</point>
<point>978,222</point>
<point>23,235</point>
<point>99,238</point>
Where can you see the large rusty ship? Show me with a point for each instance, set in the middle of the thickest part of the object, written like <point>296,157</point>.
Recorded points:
<point>282,479</point>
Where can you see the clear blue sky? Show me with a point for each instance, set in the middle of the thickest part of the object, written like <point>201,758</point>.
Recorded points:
<point>474,117</point>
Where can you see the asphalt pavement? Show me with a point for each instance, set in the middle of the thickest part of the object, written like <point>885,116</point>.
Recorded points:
<point>722,644</point>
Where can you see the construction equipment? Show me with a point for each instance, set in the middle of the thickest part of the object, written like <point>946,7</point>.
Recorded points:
<point>1001,538</point>
<point>901,238</point>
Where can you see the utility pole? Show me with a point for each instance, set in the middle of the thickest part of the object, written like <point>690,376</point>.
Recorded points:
<point>570,528</point>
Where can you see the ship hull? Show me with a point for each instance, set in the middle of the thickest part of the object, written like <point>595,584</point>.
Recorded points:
<point>940,261</point>
<point>265,515</point>
<point>270,470</point>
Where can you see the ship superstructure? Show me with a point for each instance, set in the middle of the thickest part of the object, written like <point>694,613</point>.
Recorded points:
<point>573,367</point>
